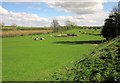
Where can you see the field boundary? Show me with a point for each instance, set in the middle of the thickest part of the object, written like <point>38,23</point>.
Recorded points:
<point>13,33</point>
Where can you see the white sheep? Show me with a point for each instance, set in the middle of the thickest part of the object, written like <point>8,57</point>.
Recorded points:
<point>36,39</point>
<point>42,38</point>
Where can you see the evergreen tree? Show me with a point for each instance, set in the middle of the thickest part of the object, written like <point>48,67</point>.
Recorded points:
<point>111,27</point>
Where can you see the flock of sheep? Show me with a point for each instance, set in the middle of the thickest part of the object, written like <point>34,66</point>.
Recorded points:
<point>39,38</point>
<point>60,35</point>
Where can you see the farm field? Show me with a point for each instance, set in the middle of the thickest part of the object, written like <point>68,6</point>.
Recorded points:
<point>11,33</point>
<point>24,59</point>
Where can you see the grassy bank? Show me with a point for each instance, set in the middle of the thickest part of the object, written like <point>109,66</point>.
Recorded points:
<point>102,64</point>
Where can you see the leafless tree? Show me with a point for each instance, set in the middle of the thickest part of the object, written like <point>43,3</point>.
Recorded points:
<point>1,25</point>
<point>69,23</point>
<point>14,25</point>
<point>55,25</point>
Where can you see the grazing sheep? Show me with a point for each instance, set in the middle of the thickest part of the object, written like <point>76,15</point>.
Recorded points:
<point>36,39</point>
<point>59,35</point>
<point>45,32</point>
<point>42,38</point>
<point>71,35</point>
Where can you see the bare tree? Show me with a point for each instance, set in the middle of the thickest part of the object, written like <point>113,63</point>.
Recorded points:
<point>69,24</point>
<point>55,25</point>
<point>14,25</point>
<point>2,24</point>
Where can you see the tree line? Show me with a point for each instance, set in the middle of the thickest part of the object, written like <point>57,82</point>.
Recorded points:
<point>111,28</point>
<point>69,25</point>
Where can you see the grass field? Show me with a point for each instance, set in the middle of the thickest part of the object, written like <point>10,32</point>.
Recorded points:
<point>23,58</point>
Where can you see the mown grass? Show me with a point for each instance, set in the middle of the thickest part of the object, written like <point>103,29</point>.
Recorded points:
<point>23,58</point>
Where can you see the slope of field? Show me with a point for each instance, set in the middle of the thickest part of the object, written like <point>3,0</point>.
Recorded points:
<point>27,59</point>
<point>103,64</point>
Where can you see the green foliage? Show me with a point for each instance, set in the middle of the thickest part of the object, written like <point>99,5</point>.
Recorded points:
<point>64,28</point>
<point>111,27</point>
<point>103,64</point>
<point>71,27</point>
<point>55,25</point>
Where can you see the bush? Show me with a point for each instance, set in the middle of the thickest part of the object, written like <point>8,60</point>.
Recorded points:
<point>101,65</point>
<point>111,28</point>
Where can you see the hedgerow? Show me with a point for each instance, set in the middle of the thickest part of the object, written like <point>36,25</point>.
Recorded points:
<point>103,64</point>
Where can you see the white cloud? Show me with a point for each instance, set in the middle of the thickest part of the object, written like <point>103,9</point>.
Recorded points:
<point>84,20</point>
<point>3,11</point>
<point>57,0</point>
<point>78,7</point>
<point>23,19</point>
<point>110,1</point>
<point>88,12</point>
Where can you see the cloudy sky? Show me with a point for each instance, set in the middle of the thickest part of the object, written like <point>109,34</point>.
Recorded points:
<point>42,12</point>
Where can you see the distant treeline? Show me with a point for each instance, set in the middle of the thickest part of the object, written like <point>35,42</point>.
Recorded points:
<point>90,27</point>
<point>65,28</point>
<point>60,28</point>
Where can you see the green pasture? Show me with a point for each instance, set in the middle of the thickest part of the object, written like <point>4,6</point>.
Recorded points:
<point>24,58</point>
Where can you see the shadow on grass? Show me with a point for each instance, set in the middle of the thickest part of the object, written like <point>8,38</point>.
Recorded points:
<point>93,34</point>
<point>80,42</point>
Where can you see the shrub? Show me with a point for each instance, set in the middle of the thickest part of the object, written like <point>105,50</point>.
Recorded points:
<point>101,65</point>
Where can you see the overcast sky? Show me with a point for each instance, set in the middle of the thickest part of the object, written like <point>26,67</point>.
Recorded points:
<point>42,12</point>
